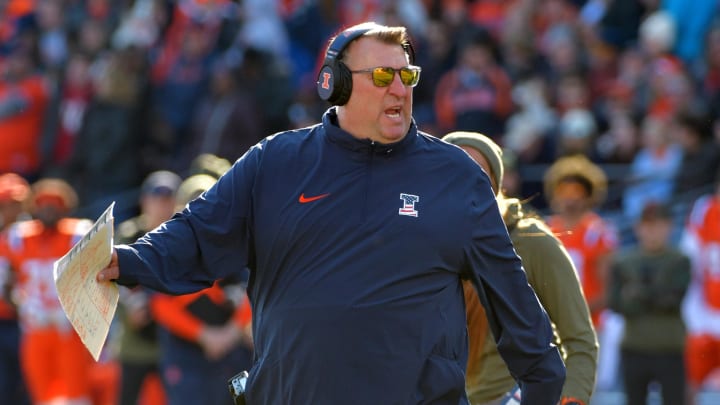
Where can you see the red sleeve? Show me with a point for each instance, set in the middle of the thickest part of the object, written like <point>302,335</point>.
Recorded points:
<point>503,89</point>
<point>169,311</point>
<point>444,109</point>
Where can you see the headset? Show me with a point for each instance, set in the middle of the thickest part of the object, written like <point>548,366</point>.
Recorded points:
<point>334,81</point>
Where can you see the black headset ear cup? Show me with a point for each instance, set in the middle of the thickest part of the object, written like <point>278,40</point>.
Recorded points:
<point>334,82</point>
<point>343,85</point>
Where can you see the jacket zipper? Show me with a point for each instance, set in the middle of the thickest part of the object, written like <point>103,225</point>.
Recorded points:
<point>368,182</point>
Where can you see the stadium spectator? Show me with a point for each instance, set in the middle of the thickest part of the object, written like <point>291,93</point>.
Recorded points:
<point>24,95</point>
<point>709,70</point>
<point>647,286</point>
<point>692,23</point>
<point>692,130</point>
<point>575,187</point>
<point>654,168</point>
<point>619,144</point>
<point>577,134</point>
<point>105,162</point>
<point>53,41</point>
<point>529,130</point>
<point>179,77</point>
<point>218,116</point>
<point>476,92</point>
<point>71,99</point>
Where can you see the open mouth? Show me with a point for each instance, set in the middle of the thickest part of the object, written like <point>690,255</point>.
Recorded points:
<point>393,112</point>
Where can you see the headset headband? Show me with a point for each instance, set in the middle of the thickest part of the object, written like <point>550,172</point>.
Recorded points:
<point>344,38</point>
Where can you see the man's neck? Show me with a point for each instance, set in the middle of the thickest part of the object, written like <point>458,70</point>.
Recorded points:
<point>343,123</point>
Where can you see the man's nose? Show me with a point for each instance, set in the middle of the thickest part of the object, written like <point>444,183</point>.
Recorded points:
<point>397,88</point>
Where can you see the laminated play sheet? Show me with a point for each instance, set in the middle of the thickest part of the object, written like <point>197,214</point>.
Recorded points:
<point>88,304</point>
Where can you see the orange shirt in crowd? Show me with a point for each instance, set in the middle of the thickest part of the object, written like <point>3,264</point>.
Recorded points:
<point>587,243</point>
<point>20,132</point>
<point>453,97</point>
<point>704,223</point>
<point>701,311</point>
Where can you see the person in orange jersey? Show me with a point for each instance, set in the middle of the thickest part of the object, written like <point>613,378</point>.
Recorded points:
<point>574,188</point>
<point>14,191</point>
<point>701,307</point>
<point>54,361</point>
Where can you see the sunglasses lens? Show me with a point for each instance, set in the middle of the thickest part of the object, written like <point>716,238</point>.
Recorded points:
<point>409,77</point>
<point>383,76</point>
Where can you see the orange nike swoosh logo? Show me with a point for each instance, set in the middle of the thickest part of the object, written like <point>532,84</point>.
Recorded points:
<point>304,199</point>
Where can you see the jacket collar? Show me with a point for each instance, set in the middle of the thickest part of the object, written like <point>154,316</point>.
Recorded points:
<point>344,139</point>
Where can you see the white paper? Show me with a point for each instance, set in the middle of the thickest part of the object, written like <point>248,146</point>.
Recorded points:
<point>89,305</point>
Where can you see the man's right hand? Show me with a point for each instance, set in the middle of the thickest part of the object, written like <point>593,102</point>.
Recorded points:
<point>111,271</point>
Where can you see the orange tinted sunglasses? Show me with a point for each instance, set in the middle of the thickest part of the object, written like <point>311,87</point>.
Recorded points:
<point>383,76</point>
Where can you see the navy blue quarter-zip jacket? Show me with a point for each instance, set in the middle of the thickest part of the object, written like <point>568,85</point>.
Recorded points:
<point>356,251</point>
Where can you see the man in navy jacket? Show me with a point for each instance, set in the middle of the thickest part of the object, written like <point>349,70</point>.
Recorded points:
<point>357,232</point>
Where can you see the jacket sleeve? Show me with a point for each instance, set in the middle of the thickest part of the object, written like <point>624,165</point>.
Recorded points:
<point>209,240</point>
<point>519,324</point>
<point>552,275</point>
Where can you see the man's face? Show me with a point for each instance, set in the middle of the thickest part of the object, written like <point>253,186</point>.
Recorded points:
<point>653,235</point>
<point>157,208</point>
<point>382,114</point>
<point>49,213</point>
<point>570,198</point>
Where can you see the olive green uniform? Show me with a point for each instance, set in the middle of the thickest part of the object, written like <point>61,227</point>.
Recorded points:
<point>552,275</point>
<point>648,290</point>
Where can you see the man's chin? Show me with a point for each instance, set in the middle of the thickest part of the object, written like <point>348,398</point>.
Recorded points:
<point>392,138</point>
<point>394,134</point>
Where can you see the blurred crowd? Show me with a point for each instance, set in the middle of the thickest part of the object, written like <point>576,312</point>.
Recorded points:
<point>103,95</point>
